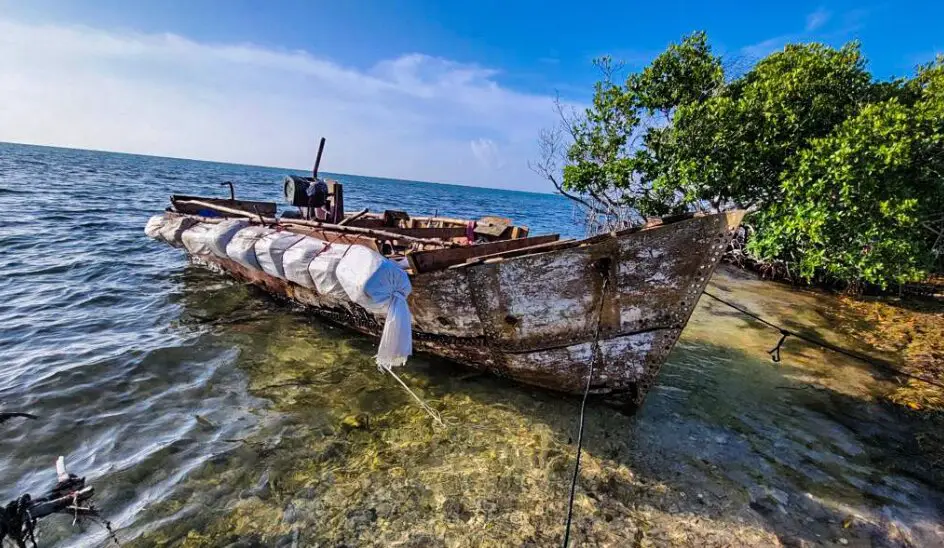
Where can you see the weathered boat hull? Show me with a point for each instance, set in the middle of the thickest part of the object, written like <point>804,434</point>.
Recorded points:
<point>535,318</point>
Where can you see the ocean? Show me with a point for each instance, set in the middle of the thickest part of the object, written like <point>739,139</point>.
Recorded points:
<point>206,414</point>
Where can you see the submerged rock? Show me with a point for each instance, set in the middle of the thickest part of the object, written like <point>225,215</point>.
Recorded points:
<point>362,518</point>
<point>384,509</point>
<point>360,421</point>
<point>290,514</point>
<point>306,493</point>
<point>455,510</point>
<point>423,540</point>
<point>261,489</point>
<point>288,541</point>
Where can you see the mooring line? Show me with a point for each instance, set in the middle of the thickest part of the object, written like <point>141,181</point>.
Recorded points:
<point>432,412</point>
<point>784,333</point>
<point>583,404</point>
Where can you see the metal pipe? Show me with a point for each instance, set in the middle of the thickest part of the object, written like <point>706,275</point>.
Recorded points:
<point>232,191</point>
<point>314,172</point>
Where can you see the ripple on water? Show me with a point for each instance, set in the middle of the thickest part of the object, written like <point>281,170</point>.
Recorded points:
<point>114,341</point>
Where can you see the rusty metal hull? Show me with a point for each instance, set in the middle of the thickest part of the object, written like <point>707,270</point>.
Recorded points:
<point>533,318</point>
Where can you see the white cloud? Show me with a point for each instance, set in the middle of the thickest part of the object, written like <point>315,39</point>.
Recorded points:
<point>848,23</point>
<point>415,116</point>
<point>486,151</point>
<point>764,48</point>
<point>817,19</point>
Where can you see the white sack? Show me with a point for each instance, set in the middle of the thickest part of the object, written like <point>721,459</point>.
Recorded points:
<point>296,259</point>
<point>173,229</point>
<point>221,233</point>
<point>196,239</point>
<point>322,270</point>
<point>379,285</point>
<point>271,248</point>
<point>242,248</point>
<point>153,227</point>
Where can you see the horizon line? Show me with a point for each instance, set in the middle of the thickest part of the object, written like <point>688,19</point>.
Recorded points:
<point>553,193</point>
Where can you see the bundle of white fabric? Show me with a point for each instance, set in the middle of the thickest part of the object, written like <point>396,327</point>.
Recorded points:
<point>334,270</point>
<point>380,285</point>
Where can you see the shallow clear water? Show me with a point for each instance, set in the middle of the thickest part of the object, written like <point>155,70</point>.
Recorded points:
<point>206,414</point>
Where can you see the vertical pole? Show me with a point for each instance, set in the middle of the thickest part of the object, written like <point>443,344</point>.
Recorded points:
<point>232,191</point>
<point>314,172</point>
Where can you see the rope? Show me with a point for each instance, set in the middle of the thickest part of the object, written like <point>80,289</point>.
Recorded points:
<point>775,351</point>
<point>432,412</point>
<point>784,333</point>
<point>583,405</point>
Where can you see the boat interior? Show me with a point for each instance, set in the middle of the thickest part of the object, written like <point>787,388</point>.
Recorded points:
<point>425,243</point>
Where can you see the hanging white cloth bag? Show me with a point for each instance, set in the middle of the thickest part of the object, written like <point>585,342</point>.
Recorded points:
<point>379,285</point>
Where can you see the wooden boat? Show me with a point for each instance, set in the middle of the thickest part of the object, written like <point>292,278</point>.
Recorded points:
<point>529,308</point>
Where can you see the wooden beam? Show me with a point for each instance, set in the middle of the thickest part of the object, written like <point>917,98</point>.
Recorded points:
<point>352,218</point>
<point>366,222</point>
<point>179,202</point>
<point>539,248</point>
<point>444,233</point>
<point>327,227</point>
<point>439,259</point>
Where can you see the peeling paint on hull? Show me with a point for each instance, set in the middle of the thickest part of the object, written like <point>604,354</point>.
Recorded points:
<point>533,318</point>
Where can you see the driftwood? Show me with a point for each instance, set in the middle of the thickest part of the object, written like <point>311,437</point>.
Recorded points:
<point>377,234</point>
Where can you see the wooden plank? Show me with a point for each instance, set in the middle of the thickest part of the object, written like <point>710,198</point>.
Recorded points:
<point>267,209</point>
<point>351,218</point>
<point>438,259</point>
<point>445,233</point>
<point>446,221</point>
<point>328,227</point>
<point>336,197</point>
<point>367,222</point>
<point>539,248</point>
<point>412,262</point>
<point>492,226</point>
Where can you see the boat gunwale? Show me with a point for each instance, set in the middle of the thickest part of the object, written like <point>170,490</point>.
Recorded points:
<point>567,244</point>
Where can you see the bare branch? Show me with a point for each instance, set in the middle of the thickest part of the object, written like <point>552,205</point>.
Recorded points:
<point>549,142</point>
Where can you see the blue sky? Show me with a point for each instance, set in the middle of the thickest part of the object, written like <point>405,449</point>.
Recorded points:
<point>446,91</point>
